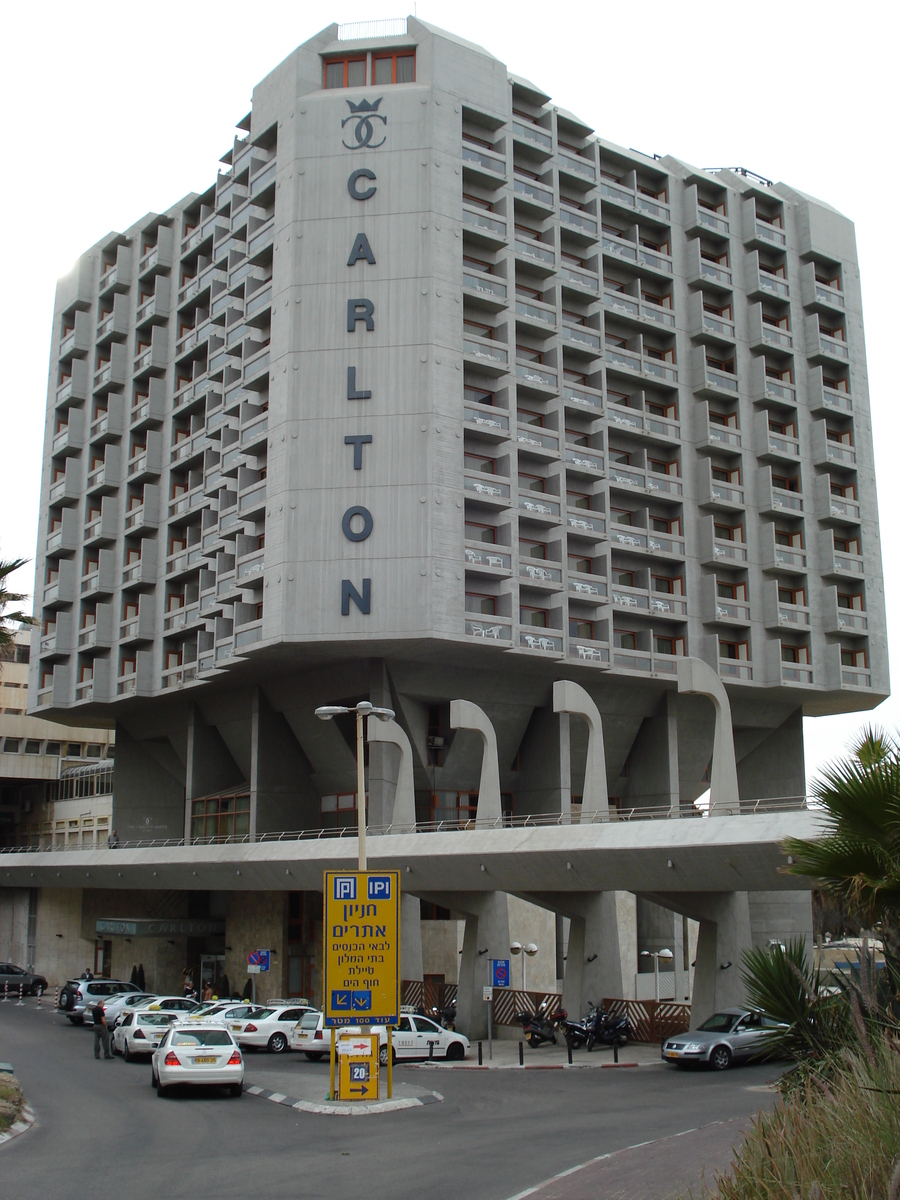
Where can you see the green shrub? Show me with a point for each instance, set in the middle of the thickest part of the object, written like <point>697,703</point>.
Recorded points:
<point>839,1138</point>
<point>12,1101</point>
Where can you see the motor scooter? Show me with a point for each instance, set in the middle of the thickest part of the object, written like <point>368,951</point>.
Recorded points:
<point>541,1026</point>
<point>597,1026</point>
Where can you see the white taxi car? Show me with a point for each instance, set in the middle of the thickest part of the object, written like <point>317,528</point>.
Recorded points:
<point>412,1038</point>
<point>225,1014</point>
<point>140,1032</point>
<point>180,1006</point>
<point>197,1054</point>
<point>269,1029</point>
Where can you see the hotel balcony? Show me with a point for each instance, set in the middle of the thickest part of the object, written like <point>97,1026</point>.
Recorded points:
<point>65,538</point>
<point>581,169</point>
<point>159,257</point>
<point>115,271</point>
<point>822,346</point>
<point>773,445</point>
<point>644,662</point>
<point>644,481</point>
<point>638,312</point>
<point>69,438</point>
<point>713,277</point>
<point>650,427</point>
<point>763,387</point>
<point>715,437</point>
<point>587,588</point>
<point>781,614</point>
<point>536,442</point>
<point>487,560</point>
<point>541,574</point>
<point>490,357</point>
<point>721,610</point>
<point>111,374</point>
<point>638,541</point>
<point>710,381</point>
<point>589,652</point>
<point>73,387</point>
<point>641,602</point>
<point>787,560</point>
<point>155,357</point>
<point>115,326</point>
<point>105,527</point>
<point>841,510</point>
<point>771,339</point>
<point>786,673</point>
<point>539,256</point>
<point>489,629</point>
<point>106,475</point>
<point>717,493</point>
<point>586,523</point>
<point>583,399</point>
<point>719,551</point>
<point>825,400</point>
<point>709,327</point>
<point>490,291</point>
<point>836,563</point>
<point>764,284</point>
<point>483,228</point>
<point>701,220</point>
<point>99,635</point>
<point>76,342</point>
<point>777,500</point>
<point>482,165</point>
<point>840,674</point>
<point>489,423</point>
<point>539,507</point>
<point>139,628</point>
<point>833,445</point>
<point>155,309</point>
<point>841,619</point>
<point>109,424</point>
<point>819,295</point>
<point>758,229</point>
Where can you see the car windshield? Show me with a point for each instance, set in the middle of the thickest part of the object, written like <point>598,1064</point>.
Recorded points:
<point>309,1021</point>
<point>719,1023</point>
<point>201,1037</point>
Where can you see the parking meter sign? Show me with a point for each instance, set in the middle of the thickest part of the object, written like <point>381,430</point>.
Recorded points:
<point>500,972</point>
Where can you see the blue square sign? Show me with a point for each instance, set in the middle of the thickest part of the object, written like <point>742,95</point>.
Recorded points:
<point>500,972</point>
<point>379,887</point>
<point>345,887</point>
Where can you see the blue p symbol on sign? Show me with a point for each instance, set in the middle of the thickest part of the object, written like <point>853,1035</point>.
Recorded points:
<point>379,887</point>
<point>345,887</point>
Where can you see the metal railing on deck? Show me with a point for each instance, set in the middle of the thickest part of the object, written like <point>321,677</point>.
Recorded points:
<point>533,821</point>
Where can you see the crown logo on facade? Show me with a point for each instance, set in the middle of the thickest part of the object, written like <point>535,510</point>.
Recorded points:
<point>365,106</point>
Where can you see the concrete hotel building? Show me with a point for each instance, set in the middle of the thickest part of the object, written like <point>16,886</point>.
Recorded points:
<point>434,394</point>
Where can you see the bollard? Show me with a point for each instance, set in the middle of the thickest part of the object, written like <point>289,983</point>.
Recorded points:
<point>615,1052</point>
<point>6,992</point>
<point>479,1055</point>
<point>431,1051</point>
<point>56,999</point>
<point>521,1054</point>
<point>40,996</point>
<point>21,1003</point>
<point>569,1051</point>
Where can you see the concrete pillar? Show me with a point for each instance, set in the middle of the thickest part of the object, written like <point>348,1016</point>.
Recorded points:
<point>570,697</point>
<point>724,934</point>
<point>486,937</point>
<point>565,768</point>
<point>600,961</point>
<point>399,801</point>
<point>411,964</point>
<point>694,675</point>
<point>380,778</point>
<point>465,715</point>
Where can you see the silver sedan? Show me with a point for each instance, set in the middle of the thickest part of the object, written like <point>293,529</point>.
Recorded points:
<point>726,1037</point>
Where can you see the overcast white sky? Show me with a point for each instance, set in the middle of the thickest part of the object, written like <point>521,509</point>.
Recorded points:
<point>117,109</point>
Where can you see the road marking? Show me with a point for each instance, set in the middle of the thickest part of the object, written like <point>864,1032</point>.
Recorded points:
<point>600,1157</point>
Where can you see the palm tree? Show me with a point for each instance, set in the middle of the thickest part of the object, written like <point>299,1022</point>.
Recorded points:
<point>858,856</point>
<point>7,620</point>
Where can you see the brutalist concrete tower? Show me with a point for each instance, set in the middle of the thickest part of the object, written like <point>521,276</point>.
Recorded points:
<point>435,394</point>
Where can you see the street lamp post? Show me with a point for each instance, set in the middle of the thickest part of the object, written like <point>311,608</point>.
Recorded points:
<point>362,710</point>
<point>527,951</point>
<point>656,955</point>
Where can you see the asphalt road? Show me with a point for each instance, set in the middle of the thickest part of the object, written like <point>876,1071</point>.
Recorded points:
<point>100,1126</point>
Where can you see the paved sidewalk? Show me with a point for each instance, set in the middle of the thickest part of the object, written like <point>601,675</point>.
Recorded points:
<point>307,1091</point>
<point>506,1057</point>
<point>660,1170</point>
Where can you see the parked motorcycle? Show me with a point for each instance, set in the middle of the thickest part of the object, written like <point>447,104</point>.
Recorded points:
<point>597,1026</point>
<point>541,1026</point>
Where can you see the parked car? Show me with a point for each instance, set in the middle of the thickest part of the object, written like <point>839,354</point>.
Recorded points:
<point>78,996</point>
<point>13,976</point>
<point>726,1037</point>
<point>223,1014</point>
<point>174,1004</point>
<point>269,1029</point>
<point>411,1039</point>
<point>140,1033</point>
<point>115,1005</point>
<point>197,1054</point>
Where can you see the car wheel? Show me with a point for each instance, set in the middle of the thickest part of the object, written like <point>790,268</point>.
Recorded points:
<point>161,1091</point>
<point>382,1056</point>
<point>154,1082</point>
<point>313,1055</point>
<point>278,1043</point>
<point>456,1052</point>
<point>237,1090</point>
<point>113,1048</point>
<point>720,1059</point>
<point>126,1053</point>
<point>77,1020</point>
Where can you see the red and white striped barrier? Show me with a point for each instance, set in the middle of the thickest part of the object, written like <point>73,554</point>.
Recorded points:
<point>21,1003</point>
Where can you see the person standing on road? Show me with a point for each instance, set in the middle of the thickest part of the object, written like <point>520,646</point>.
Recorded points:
<point>101,1031</point>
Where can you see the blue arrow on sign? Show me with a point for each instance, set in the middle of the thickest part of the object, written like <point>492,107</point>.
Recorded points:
<point>362,1001</point>
<point>340,1001</point>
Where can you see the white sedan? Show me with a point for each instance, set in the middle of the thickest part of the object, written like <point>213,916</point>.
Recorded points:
<point>140,1033</point>
<point>181,1006</point>
<point>225,1014</point>
<point>412,1038</point>
<point>197,1054</point>
<point>271,1029</point>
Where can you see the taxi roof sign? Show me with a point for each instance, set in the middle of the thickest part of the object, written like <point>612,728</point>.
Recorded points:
<point>361,931</point>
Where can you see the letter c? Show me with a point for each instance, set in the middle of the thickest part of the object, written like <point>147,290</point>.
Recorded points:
<point>366,193</point>
<point>357,511</point>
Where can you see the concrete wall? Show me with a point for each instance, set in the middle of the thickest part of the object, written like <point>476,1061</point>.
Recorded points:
<point>441,946</point>
<point>257,921</point>
<point>14,925</point>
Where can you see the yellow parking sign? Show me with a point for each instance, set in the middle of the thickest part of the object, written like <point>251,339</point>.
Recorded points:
<point>361,932</point>
<point>358,1075</point>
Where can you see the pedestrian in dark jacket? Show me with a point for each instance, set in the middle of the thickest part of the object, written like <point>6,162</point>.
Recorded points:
<point>101,1031</point>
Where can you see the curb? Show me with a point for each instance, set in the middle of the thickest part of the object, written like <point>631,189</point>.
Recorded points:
<point>575,1066</point>
<point>332,1109</point>
<point>24,1123</point>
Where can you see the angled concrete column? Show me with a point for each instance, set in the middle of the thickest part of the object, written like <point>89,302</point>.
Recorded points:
<point>724,934</point>
<point>569,697</point>
<point>410,936</point>
<point>401,814</point>
<point>486,937</point>
<point>465,715</point>
<point>600,960</point>
<point>696,676</point>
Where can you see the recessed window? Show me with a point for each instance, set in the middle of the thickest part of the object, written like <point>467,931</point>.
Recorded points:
<point>94,750</point>
<point>32,746</point>
<point>345,72</point>
<point>581,629</point>
<point>394,68</point>
<point>53,748</point>
<point>11,745</point>
<point>477,602</point>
